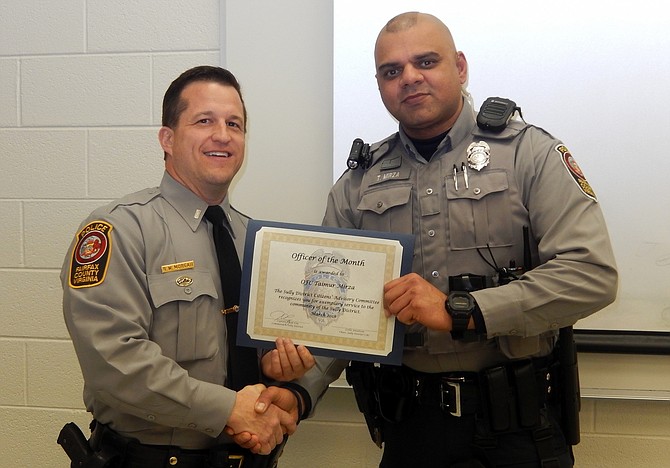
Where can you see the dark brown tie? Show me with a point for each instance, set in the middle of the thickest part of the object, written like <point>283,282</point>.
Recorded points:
<point>242,361</point>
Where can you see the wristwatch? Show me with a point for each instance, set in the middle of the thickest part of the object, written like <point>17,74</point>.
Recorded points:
<point>460,305</point>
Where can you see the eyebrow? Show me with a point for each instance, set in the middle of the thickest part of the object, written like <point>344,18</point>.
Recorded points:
<point>209,113</point>
<point>415,58</point>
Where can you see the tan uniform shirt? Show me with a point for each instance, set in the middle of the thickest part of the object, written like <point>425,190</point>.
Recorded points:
<point>464,220</point>
<point>144,316</point>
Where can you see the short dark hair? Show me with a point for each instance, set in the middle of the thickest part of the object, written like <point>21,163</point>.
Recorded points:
<point>173,105</point>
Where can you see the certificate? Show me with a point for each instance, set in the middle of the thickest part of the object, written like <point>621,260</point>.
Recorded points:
<point>323,288</point>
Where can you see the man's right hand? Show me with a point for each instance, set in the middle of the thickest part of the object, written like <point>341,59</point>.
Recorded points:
<point>266,428</point>
<point>270,397</point>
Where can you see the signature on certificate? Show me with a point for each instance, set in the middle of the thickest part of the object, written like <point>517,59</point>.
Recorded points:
<point>280,317</point>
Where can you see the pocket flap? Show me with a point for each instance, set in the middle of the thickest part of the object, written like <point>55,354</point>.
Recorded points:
<point>480,185</point>
<point>379,201</point>
<point>183,285</point>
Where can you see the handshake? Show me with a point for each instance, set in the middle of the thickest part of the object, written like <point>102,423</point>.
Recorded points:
<point>262,415</point>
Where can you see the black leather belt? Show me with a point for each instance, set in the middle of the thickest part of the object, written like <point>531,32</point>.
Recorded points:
<point>160,456</point>
<point>464,393</point>
<point>166,456</point>
<point>455,393</point>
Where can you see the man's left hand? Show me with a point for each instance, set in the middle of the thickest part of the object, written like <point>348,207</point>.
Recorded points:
<point>287,361</point>
<point>412,299</point>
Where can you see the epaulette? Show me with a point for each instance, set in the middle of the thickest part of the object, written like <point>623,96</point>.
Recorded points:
<point>363,156</point>
<point>513,128</point>
<point>379,149</point>
<point>495,119</point>
<point>136,198</point>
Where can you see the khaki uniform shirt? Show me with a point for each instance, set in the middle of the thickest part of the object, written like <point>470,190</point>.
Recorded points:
<point>465,226</point>
<point>142,301</point>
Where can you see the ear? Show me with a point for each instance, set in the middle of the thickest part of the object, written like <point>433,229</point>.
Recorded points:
<point>166,139</point>
<point>462,65</point>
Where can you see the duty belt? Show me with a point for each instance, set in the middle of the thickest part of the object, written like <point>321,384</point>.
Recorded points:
<point>528,381</point>
<point>455,393</point>
<point>159,456</point>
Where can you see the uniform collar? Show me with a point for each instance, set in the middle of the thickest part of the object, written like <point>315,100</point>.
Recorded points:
<point>189,206</point>
<point>462,129</point>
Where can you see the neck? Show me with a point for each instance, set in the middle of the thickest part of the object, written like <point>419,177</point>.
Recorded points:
<point>212,195</point>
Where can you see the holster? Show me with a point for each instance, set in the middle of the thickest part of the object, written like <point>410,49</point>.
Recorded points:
<point>82,453</point>
<point>569,385</point>
<point>363,378</point>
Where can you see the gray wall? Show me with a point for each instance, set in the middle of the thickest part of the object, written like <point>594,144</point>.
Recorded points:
<point>282,54</point>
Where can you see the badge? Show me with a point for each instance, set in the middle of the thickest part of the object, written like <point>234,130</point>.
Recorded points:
<point>575,171</point>
<point>90,255</point>
<point>479,155</point>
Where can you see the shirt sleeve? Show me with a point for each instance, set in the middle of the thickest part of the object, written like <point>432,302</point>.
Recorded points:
<point>575,273</point>
<point>317,379</point>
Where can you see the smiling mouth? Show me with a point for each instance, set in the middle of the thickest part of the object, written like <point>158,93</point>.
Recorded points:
<point>218,154</point>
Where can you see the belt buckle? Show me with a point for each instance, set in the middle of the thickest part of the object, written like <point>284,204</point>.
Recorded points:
<point>235,461</point>
<point>453,388</point>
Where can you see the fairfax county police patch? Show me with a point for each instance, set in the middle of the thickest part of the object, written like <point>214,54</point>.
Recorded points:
<point>576,173</point>
<point>90,255</point>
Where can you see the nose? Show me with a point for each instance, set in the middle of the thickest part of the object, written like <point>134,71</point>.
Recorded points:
<point>221,133</point>
<point>411,75</point>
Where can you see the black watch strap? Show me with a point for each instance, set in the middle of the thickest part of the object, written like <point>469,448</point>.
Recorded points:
<point>460,305</point>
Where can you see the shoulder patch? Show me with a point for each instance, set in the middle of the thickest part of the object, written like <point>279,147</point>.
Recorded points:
<point>90,255</point>
<point>576,173</point>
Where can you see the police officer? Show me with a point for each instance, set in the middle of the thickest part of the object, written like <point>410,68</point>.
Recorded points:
<point>479,381</point>
<point>143,299</point>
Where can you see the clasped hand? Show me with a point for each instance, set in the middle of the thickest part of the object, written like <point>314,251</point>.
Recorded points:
<point>259,424</point>
<point>286,362</point>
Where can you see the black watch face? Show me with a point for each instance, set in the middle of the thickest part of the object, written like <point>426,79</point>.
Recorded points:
<point>460,301</point>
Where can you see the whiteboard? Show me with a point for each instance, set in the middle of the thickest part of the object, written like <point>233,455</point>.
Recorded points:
<point>595,74</point>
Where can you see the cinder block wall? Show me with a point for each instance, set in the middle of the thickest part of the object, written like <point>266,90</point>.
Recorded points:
<point>80,90</point>
<point>81,84</point>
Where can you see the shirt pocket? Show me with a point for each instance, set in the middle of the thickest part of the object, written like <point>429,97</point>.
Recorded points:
<point>188,300</point>
<point>387,209</point>
<point>480,214</point>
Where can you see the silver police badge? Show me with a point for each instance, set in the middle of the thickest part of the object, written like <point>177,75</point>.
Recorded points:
<point>479,155</point>
<point>325,287</point>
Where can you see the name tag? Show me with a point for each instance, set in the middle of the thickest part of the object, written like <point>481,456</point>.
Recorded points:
<point>178,266</point>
